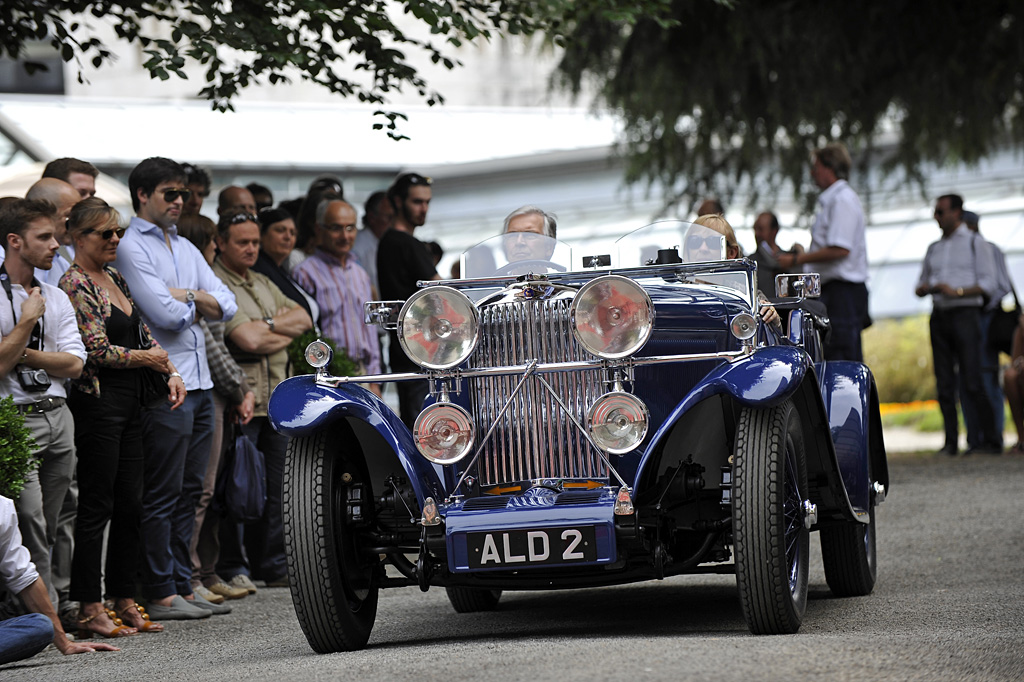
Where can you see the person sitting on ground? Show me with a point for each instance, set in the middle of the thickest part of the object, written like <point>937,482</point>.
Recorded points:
<point>25,636</point>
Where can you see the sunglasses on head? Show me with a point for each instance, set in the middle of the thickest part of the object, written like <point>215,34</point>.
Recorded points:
<point>695,241</point>
<point>171,195</point>
<point>239,218</point>
<point>107,234</point>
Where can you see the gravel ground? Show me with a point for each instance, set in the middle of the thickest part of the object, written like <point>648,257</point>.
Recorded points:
<point>949,605</point>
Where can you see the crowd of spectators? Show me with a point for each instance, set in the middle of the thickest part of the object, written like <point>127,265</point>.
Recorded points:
<point>138,352</point>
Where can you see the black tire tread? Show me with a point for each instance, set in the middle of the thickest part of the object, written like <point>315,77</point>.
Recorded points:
<point>310,535</point>
<point>758,482</point>
<point>848,569</point>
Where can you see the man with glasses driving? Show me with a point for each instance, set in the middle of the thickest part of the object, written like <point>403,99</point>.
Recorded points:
<point>173,287</point>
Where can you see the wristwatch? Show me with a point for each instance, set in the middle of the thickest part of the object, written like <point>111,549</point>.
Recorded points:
<point>270,322</point>
<point>190,296</point>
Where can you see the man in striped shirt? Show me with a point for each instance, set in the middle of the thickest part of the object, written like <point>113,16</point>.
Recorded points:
<point>340,285</point>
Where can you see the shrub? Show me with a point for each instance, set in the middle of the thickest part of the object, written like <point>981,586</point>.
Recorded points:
<point>899,353</point>
<point>16,446</point>
<point>341,366</point>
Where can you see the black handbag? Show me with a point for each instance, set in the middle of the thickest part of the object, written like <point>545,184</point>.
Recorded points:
<point>153,384</point>
<point>241,489</point>
<point>1002,327</point>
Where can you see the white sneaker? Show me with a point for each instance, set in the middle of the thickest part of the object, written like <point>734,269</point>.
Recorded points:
<point>242,581</point>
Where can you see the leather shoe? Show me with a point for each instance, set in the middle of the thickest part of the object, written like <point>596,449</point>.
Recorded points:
<point>242,580</point>
<point>227,591</point>
<point>180,609</point>
<point>950,450</point>
<point>215,609</point>
<point>207,595</point>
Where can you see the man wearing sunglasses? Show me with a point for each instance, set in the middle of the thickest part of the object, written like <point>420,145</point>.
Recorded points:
<point>173,287</point>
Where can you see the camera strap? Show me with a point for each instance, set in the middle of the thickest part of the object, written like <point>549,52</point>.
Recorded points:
<point>36,339</point>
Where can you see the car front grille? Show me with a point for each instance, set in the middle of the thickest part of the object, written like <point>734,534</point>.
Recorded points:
<point>534,438</point>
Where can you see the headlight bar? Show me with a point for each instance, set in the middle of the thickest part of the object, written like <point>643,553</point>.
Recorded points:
<point>538,368</point>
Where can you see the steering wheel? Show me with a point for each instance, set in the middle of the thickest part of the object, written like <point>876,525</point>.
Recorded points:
<point>522,267</point>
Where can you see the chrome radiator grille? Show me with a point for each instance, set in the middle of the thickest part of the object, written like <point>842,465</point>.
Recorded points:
<point>535,438</point>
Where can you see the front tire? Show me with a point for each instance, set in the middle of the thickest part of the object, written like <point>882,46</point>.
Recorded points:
<point>470,600</point>
<point>771,541</point>
<point>334,585</point>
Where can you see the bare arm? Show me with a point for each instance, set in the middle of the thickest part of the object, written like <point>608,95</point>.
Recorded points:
<point>255,337</point>
<point>38,601</point>
<point>825,255</point>
<point>56,364</point>
<point>13,345</point>
<point>292,322</point>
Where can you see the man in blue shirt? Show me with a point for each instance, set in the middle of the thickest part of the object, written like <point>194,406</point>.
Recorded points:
<point>173,287</point>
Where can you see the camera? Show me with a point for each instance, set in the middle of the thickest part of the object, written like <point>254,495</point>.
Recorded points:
<point>32,379</point>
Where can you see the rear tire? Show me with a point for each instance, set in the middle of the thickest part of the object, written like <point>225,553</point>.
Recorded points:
<point>771,541</point>
<point>848,555</point>
<point>472,600</point>
<point>334,585</point>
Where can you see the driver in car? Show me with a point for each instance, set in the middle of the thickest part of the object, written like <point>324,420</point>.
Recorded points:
<point>521,229</point>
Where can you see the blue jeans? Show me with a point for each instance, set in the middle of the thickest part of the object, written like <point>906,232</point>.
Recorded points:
<point>257,548</point>
<point>177,447</point>
<point>24,636</point>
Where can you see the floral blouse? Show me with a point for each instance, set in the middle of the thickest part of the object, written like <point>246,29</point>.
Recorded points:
<point>92,308</point>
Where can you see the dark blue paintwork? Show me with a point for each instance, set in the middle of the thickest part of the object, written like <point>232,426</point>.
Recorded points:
<point>299,407</point>
<point>846,389</point>
<point>763,379</point>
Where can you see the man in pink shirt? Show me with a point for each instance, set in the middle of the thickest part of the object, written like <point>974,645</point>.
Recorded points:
<point>340,285</point>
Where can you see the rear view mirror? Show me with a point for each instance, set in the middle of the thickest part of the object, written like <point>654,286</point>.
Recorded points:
<point>798,286</point>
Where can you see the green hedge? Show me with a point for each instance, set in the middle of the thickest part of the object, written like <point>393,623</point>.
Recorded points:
<point>899,353</point>
<point>16,447</point>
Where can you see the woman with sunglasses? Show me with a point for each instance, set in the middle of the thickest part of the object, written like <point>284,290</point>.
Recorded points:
<point>703,243</point>
<point>106,402</point>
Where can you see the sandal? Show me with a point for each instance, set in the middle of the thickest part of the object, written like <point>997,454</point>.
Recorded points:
<point>147,625</point>
<point>119,629</point>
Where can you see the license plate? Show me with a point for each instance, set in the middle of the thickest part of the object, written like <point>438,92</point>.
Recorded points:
<point>539,547</point>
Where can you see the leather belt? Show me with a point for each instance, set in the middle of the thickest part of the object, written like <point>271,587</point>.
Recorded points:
<point>44,405</point>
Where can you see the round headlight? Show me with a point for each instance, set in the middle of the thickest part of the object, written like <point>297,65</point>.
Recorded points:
<point>318,354</point>
<point>444,433</point>
<point>618,422</point>
<point>438,327</point>
<point>612,316</point>
<point>743,326</point>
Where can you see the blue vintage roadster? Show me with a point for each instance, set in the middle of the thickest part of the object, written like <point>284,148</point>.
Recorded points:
<point>614,418</point>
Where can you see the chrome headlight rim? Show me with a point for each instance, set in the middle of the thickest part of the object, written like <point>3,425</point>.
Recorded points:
<point>642,298</point>
<point>602,402</point>
<point>431,416</point>
<point>318,354</point>
<point>451,295</point>
<point>743,326</point>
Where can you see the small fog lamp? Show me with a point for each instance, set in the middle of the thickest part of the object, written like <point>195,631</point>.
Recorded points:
<point>743,326</point>
<point>618,422</point>
<point>444,433</point>
<point>612,317</point>
<point>318,354</point>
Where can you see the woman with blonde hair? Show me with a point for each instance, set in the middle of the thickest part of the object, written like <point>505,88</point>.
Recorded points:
<point>106,401</point>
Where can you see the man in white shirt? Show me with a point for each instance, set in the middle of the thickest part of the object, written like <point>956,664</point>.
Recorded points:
<point>22,637</point>
<point>838,252</point>
<point>40,347</point>
<point>959,273</point>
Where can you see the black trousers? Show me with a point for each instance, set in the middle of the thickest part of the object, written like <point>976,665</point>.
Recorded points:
<point>847,304</point>
<point>956,350</point>
<point>108,438</point>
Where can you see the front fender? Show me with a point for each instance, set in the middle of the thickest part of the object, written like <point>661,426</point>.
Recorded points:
<point>765,378</point>
<point>848,390</point>
<point>300,407</point>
